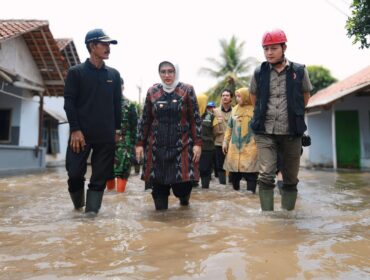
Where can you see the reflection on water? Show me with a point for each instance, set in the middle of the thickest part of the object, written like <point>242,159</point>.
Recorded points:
<point>222,235</point>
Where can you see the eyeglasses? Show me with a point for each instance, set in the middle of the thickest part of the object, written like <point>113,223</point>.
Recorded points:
<point>168,71</point>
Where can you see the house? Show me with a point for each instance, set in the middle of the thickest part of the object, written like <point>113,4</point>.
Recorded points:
<point>33,67</point>
<point>338,120</point>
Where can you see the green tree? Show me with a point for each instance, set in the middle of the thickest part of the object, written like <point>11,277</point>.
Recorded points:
<point>232,70</point>
<point>358,24</point>
<point>320,77</point>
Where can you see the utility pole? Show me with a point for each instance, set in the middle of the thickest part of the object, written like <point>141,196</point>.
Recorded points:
<point>140,88</point>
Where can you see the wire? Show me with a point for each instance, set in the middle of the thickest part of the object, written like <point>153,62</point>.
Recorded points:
<point>336,7</point>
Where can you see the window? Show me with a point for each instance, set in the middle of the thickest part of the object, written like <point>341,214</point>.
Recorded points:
<point>5,115</point>
<point>50,135</point>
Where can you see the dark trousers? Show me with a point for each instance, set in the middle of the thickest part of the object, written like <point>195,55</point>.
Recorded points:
<point>179,189</point>
<point>102,158</point>
<point>206,163</point>
<point>248,176</point>
<point>220,158</point>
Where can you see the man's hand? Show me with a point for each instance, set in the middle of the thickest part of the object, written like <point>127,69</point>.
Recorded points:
<point>197,151</point>
<point>139,153</point>
<point>77,142</point>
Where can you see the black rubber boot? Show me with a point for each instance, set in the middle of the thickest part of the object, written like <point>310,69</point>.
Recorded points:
<point>93,201</point>
<point>160,202</point>
<point>251,186</point>
<point>148,186</point>
<point>184,201</point>
<point>205,182</point>
<point>236,182</point>
<point>78,199</point>
<point>266,199</point>
<point>222,177</point>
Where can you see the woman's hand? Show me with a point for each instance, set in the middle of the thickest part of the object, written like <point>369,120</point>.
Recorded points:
<point>139,153</point>
<point>197,151</point>
<point>224,148</point>
<point>77,142</point>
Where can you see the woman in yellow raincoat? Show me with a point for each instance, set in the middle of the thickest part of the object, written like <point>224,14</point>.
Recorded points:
<point>239,144</point>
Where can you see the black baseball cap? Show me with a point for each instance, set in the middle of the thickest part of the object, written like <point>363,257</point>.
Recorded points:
<point>98,35</point>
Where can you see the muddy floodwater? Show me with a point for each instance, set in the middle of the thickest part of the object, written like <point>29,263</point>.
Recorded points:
<point>221,235</point>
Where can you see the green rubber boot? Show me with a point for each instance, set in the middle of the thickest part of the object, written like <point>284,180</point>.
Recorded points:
<point>78,199</point>
<point>266,199</point>
<point>288,199</point>
<point>93,201</point>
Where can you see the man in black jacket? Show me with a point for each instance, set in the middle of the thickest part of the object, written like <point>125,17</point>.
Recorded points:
<point>280,90</point>
<point>92,101</point>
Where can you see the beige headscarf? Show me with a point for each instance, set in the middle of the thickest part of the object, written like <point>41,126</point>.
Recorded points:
<point>202,103</point>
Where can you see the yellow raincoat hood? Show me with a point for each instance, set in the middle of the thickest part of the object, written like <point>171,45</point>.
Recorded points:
<point>202,103</point>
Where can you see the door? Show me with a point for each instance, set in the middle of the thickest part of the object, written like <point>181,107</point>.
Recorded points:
<point>348,139</point>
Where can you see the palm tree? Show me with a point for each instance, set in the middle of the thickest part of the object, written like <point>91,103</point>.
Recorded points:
<point>232,71</point>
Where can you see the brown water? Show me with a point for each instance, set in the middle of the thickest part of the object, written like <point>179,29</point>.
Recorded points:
<point>222,235</point>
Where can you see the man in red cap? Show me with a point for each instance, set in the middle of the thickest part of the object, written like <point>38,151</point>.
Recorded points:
<point>280,90</point>
<point>92,96</point>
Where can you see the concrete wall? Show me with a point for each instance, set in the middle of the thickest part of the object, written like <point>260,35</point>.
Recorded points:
<point>16,58</point>
<point>29,125</point>
<point>14,158</point>
<point>319,129</point>
<point>56,104</point>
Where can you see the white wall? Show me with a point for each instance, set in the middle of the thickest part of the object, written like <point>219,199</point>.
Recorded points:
<point>63,140</point>
<point>56,104</point>
<point>29,124</point>
<point>319,128</point>
<point>16,58</point>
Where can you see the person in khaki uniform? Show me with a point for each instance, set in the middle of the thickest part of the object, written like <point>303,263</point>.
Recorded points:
<point>280,90</point>
<point>239,144</point>
<point>222,115</point>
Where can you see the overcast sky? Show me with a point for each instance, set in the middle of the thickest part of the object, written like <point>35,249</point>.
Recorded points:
<point>188,31</point>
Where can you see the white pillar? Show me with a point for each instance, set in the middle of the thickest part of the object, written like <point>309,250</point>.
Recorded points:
<point>333,137</point>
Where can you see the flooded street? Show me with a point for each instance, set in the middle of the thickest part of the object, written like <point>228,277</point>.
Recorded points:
<point>221,235</point>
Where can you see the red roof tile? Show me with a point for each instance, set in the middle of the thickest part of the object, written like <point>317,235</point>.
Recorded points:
<point>352,84</point>
<point>13,28</point>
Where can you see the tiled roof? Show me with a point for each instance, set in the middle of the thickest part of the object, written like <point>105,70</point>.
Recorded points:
<point>357,82</point>
<point>14,28</point>
<point>44,49</point>
<point>68,49</point>
<point>63,42</point>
